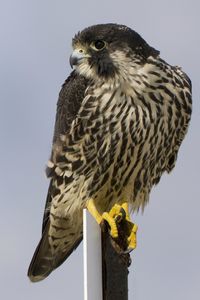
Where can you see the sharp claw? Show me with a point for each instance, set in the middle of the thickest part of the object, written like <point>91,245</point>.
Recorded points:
<point>121,216</point>
<point>114,217</point>
<point>128,251</point>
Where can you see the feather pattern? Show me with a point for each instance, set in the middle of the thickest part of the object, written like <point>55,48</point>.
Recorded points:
<point>114,138</point>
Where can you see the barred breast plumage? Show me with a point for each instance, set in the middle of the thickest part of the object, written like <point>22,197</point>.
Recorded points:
<point>122,143</point>
<point>115,135</point>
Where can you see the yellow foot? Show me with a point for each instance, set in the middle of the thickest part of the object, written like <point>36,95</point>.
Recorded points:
<point>117,216</point>
<point>131,228</point>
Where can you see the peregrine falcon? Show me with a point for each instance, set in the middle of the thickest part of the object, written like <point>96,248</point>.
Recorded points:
<point>122,115</point>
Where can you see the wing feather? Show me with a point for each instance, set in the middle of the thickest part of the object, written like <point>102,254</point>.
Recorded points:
<point>68,105</point>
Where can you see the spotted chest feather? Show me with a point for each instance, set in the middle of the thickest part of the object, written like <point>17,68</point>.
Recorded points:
<point>126,134</point>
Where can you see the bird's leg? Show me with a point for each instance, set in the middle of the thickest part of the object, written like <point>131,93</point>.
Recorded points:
<point>93,210</point>
<point>105,216</point>
<point>117,215</point>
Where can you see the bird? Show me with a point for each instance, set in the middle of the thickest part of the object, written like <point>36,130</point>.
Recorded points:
<point>121,117</point>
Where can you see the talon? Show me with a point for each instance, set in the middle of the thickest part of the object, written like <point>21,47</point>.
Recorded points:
<point>121,216</point>
<point>112,223</point>
<point>132,240</point>
<point>117,214</point>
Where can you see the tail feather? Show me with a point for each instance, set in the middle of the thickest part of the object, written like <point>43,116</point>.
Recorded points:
<point>44,261</point>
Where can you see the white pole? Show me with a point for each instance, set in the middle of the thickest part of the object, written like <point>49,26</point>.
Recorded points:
<point>92,258</point>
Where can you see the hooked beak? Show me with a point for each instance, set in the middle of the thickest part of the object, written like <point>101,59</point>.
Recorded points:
<point>76,56</point>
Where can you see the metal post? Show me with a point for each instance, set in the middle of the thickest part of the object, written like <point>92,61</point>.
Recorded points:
<point>92,258</point>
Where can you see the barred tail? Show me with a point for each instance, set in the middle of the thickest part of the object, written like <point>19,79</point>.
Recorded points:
<point>44,261</point>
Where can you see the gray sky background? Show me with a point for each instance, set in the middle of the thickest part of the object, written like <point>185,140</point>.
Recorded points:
<point>35,47</point>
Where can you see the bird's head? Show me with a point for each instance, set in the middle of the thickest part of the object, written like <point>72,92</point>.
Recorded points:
<point>107,50</point>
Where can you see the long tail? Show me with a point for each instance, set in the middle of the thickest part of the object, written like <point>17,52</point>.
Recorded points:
<point>44,261</point>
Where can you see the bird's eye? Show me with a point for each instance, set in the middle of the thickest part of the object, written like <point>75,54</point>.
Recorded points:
<point>98,45</point>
